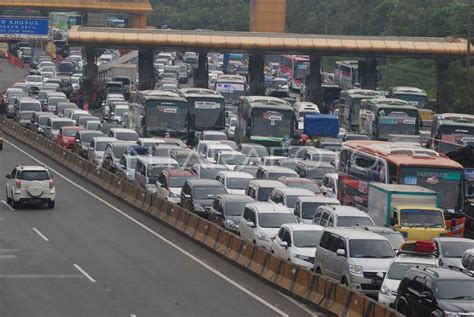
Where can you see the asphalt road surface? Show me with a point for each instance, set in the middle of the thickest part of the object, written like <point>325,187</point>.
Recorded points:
<point>94,255</point>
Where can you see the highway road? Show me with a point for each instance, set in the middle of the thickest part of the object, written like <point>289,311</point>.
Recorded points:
<point>94,255</point>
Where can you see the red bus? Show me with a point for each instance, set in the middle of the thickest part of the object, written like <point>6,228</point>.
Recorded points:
<point>362,162</point>
<point>295,67</point>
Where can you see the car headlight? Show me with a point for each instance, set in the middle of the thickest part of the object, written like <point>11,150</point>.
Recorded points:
<point>262,236</point>
<point>451,314</point>
<point>198,207</point>
<point>172,195</point>
<point>301,257</point>
<point>356,269</point>
<point>385,290</point>
<point>150,187</point>
<point>231,224</point>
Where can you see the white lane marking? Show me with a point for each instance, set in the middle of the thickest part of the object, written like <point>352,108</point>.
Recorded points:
<point>26,276</point>
<point>7,256</point>
<point>159,236</point>
<point>300,305</point>
<point>80,269</point>
<point>8,206</point>
<point>40,234</point>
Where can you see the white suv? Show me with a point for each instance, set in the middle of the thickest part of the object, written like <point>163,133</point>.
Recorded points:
<point>31,184</point>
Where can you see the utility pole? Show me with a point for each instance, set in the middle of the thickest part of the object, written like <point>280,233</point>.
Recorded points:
<point>387,61</point>
<point>469,27</point>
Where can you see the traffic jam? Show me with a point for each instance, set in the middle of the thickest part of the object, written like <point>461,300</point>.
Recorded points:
<point>371,189</point>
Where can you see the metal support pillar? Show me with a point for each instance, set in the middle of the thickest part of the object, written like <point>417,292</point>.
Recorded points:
<point>314,84</point>
<point>257,75</point>
<point>442,66</point>
<point>201,79</point>
<point>90,76</point>
<point>146,70</point>
<point>371,73</point>
<point>138,21</point>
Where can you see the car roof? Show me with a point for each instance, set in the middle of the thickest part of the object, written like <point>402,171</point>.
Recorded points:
<point>267,183</point>
<point>352,233</point>
<point>230,198</point>
<point>423,258</point>
<point>318,199</point>
<point>320,151</point>
<point>210,166</point>
<point>305,227</point>
<point>31,167</point>
<point>446,273</point>
<point>452,240</point>
<point>157,160</point>
<point>103,139</point>
<point>314,164</point>
<point>204,182</point>
<point>296,180</point>
<point>278,169</point>
<point>295,191</point>
<point>378,229</point>
<point>213,132</point>
<point>235,174</point>
<point>268,208</point>
<point>348,211</point>
<point>122,130</point>
<point>178,172</point>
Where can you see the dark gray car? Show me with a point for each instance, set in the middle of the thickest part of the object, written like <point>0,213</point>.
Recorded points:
<point>227,210</point>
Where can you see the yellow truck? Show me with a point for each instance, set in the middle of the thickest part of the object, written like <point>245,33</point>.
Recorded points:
<point>412,210</point>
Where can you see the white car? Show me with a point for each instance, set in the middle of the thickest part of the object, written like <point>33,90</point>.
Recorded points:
<point>124,134</point>
<point>397,270</point>
<point>230,159</point>
<point>209,151</point>
<point>97,148</point>
<point>297,243</point>
<point>261,222</point>
<point>34,81</point>
<point>30,184</point>
<point>234,182</point>
<point>329,185</point>
<point>211,135</point>
<point>288,196</point>
<point>270,160</point>
<point>116,116</point>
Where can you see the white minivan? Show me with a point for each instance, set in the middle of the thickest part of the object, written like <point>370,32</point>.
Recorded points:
<point>261,222</point>
<point>148,169</point>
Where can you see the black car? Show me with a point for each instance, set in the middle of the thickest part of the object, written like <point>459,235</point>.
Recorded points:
<point>436,291</point>
<point>83,140</point>
<point>314,170</point>
<point>197,195</point>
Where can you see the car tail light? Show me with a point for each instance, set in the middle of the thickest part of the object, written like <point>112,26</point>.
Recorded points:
<point>18,183</point>
<point>51,183</point>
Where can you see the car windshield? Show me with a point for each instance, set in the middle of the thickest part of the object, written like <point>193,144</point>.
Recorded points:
<point>34,79</point>
<point>398,270</point>
<point>33,175</point>
<point>237,183</point>
<point>421,218</point>
<point>154,170</point>
<point>120,150</point>
<point>208,192</point>
<point>132,162</point>
<point>395,239</point>
<point>120,111</point>
<point>26,115</point>
<point>326,158</point>
<point>379,249</point>
<point>274,220</point>
<point>36,106</point>
<point>58,125</point>
<point>87,137</point>
<point>69,132</point>
<point>307,238</point>
<point>264,193</point>
<point>456,249</point>
<point>257,151</point>
<point>232,159</point>
<point>215,137</point>
<point>309,186</point>
<point>320,172</point>
<point>93,125</point>
<point>349,221</point>
<point>209,173</point>
<point>291,200</point>
<point>309,209</point>
<point>127,136</point>
<point>100,146</point>
<point>235,208</point>
<point>178,181</point>
<point>456,289</point>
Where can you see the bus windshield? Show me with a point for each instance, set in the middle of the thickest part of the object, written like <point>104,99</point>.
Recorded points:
<point>397,121</point>
<point>270,123</point>
<point>166,116</point>
<point>448,182</point>
<point>209,113</point>
<point>231,91</point>
<point>419,101</point>
<point>301,69</point>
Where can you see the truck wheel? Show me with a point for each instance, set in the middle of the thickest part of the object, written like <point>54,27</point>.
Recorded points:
<point>51,204</point>
<point>9,200</point>
<point>14,203</point>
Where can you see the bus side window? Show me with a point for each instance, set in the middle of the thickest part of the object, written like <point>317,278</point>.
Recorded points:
<point>344,161</point>
<point>392,173</point>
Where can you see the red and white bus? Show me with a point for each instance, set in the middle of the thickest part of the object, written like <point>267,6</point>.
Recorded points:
<point>295,67</point>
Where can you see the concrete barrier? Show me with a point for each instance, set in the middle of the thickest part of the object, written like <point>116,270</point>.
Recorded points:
<point>297,281</point>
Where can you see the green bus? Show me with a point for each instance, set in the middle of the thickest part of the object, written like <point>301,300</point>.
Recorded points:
<point>264,120</point>
<point>158,113</point>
